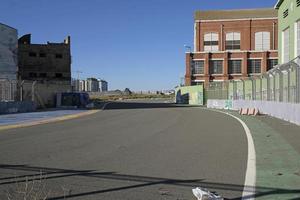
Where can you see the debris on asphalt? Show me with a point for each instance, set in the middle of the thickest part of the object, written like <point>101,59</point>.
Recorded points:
<point>204,194</point>
<point>163,192</point>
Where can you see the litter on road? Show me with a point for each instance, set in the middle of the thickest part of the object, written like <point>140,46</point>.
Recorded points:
<point>204,194</point>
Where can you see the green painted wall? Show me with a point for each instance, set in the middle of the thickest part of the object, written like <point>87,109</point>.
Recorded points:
<point>288,22</point>
<point>192,95</point>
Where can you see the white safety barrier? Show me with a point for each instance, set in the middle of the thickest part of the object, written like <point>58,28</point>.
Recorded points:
<point>285,111</point>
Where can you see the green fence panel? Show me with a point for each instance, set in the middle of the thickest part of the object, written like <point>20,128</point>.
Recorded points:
<point>248,89</point>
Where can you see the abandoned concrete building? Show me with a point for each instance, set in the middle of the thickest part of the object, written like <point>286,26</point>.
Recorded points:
<point>44,69</point>
<point>8,62</point>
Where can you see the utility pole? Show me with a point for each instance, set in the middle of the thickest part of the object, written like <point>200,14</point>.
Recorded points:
<point>78,74</point>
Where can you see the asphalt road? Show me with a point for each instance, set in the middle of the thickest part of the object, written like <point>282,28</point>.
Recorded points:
<point>129,151</point>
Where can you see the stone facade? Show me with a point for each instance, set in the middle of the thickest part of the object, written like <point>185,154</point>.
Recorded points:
<point>214,44</point>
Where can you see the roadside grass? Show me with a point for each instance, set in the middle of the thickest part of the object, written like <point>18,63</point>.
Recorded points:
<point>34,188</point>
<point>128,97</point>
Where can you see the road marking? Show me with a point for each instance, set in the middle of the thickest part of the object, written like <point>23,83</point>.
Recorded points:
<point>47,121</point>
<point>250,178</point>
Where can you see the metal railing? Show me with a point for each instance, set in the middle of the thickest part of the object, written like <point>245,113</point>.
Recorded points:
<point>280,84</point>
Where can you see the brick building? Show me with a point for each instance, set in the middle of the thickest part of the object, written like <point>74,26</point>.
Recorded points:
<point>232,44</point>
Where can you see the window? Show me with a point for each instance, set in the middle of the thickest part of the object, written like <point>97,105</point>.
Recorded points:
<point>43,75</point>
<point>285,13</point>
<point>216,67</point>
<point>198,67</point>
<point>32,54</point>
<point>254,66</point>
<point>32,75</point>
<point>235,67</point>
<point>58,75</point>
<point>233,41</point>
<point>286,45</point>
<point>211,42</point>
<point>262,41</point>
<point>197,83</point>
<point>272,63</point>
<point>58,56</point>
<point>42,55</point>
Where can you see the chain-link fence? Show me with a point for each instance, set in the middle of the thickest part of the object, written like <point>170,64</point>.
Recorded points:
<point>8,90</point>
<point>281,84</point>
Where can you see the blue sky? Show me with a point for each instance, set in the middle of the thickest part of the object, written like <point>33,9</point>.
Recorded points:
<point>131,43</point>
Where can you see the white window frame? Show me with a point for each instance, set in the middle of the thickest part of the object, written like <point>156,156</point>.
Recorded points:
<point>234,35</point>
<point>283,52</point>
<point>262,41</point>
<point>210,47</point>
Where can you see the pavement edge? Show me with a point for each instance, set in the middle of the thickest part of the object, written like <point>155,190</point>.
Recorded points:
<point>47,121</point>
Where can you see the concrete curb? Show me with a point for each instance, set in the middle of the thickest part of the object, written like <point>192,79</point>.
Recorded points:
<point>47,121</point>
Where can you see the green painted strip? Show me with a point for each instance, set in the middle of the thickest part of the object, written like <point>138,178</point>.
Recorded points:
<point>278,163</point>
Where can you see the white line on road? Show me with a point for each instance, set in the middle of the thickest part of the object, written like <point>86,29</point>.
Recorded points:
<point>250,179</point>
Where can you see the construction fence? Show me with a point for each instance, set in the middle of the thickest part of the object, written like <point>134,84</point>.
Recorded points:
<point>43,93</point>
<point>281,84</point>
<point>276,93</point>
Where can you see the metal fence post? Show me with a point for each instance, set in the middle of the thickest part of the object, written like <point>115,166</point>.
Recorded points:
<point>33,90</point>
<point>298,84</point>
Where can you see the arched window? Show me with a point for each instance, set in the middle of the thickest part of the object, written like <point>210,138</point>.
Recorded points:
<point>262,41</point>
<point>233,41</point>
<point>211,42</point>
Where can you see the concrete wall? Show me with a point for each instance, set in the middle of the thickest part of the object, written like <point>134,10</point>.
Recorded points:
<point>17,107</point>
<point>8,52</point>
<point>45,93</point>
<point>285,111</point>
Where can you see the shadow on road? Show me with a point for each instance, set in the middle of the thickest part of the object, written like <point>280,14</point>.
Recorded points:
<point>139,181</point>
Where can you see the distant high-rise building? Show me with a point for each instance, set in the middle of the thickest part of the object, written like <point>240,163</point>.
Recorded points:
<point>75,85</point>
<point>103,85</point>
<point>82,84</point>
<point>92,85</point>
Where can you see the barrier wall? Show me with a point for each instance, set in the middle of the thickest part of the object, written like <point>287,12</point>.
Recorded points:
<point>17,107</point>
<point>285,111</point>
